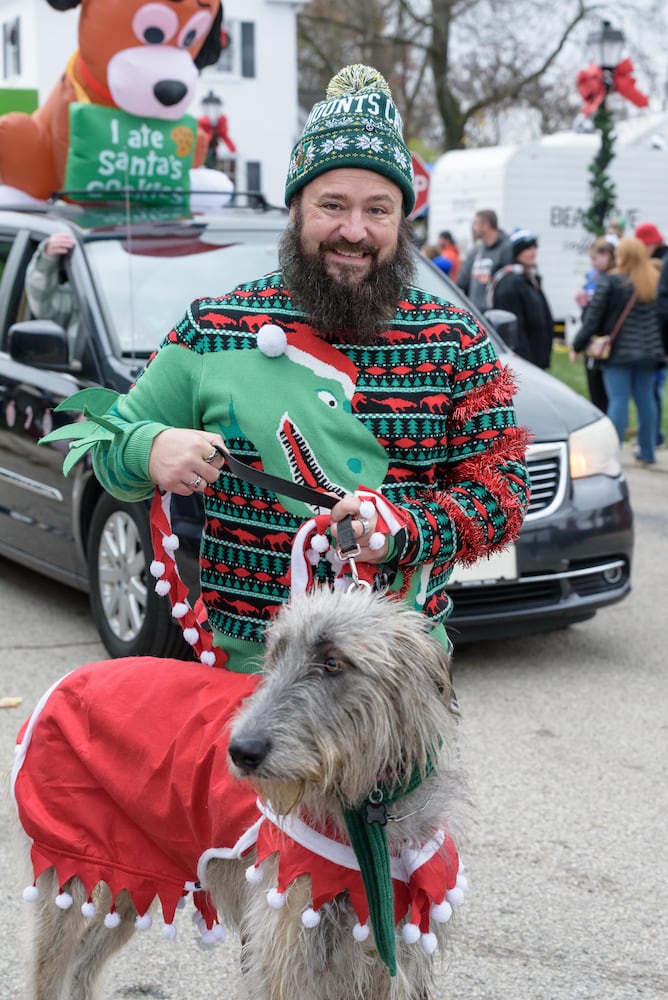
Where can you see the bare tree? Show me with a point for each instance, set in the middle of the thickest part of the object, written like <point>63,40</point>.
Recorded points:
<point>457,67</point>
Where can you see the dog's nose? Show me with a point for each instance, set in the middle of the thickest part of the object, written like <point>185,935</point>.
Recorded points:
<point>170,92</point>
<point>248,753</point>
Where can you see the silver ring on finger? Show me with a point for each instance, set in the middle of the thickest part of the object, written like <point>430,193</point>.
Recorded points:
<point>365,525</point>
<point>214,452</point>
<point>194,483</point>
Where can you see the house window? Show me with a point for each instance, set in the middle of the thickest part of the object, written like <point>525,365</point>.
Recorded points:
<point>247,49</point>
<point>11,48</point>
<point>238,59</point>
<point>253,176</point>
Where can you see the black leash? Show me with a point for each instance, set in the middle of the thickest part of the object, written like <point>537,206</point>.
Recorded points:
<point>347,546</point>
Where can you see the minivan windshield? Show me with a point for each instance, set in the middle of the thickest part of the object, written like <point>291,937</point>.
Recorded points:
<point>145,285</point>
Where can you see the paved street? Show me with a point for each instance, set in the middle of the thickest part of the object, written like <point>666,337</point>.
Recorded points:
<point>566,741</point>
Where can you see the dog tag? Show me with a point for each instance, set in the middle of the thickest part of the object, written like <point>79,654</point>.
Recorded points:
<point>376,813</point>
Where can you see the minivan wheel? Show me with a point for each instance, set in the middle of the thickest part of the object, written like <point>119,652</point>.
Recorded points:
<point>131,618</point>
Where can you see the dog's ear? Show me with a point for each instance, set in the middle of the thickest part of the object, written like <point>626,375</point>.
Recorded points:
<point>63,4</point>
<point>212,47</point>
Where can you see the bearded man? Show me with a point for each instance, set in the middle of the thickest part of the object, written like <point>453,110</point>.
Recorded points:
<point>336,373</point>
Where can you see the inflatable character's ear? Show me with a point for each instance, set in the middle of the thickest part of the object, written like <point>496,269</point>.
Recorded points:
<point>211,48</point>
<point>63,4</point>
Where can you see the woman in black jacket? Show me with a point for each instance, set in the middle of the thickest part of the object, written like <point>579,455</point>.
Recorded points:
<point>637,350</point>
<point>517,288</point>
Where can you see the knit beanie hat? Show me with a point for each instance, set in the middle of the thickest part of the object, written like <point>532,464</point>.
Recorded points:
<point>357,125</point>
<point>522,239</point>
<point>648,233</point>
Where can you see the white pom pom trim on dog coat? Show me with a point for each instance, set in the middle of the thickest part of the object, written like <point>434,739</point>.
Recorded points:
<point>429,943</point>
<point>144,922</point>
<point>410,933</point>
<point>441,912</point>
<point>361,932</point>
<point>310,917</point>
<point>89,909</point>
<point>112,920</point>
<point>64,900</point>
<point>276,899</point>
<point>254,875</point>
<point>31,893</point>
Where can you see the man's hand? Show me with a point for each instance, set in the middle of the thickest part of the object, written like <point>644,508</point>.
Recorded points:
<point>185,461</point>
<point>59,244</point>
<point>363,527</point>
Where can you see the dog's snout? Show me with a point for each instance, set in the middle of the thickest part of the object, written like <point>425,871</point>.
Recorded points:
<point>170,92</point>
<point>249,753</point>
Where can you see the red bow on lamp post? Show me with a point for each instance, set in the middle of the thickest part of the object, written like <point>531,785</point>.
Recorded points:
<point>593,88</point>
<point>216,130</point>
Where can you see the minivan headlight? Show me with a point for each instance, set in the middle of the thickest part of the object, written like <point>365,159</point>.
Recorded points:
<point>594,450</point>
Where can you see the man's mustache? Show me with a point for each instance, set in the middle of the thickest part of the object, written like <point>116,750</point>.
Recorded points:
<point>343,246</point>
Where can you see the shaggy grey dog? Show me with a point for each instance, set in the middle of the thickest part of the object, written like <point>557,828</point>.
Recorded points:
<point>352,719</point>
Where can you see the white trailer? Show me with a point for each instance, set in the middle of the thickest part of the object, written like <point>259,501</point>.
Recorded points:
<point>543,186</point>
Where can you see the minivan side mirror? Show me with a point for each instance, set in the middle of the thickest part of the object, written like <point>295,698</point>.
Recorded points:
<point>40,343</point>
<point>505,324</point>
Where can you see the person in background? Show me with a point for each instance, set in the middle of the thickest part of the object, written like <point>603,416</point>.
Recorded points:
<point>352,364</point>
<point>490,252</point>
<point>654,243</point>
<point>602,256</point>
<point>449,250</point>
<point>48,291</point>
<point>630,370</point>
<point>656,248</point>
<point>615,230</point>
<point>433,253</point>
<point>517,287</point>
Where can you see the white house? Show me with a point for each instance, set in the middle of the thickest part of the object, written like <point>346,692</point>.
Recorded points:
<point>255,79</point>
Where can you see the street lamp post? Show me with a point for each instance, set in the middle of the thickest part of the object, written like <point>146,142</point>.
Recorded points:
<point>214,125</point>
<point>607,44</point>
<point>607,73</point>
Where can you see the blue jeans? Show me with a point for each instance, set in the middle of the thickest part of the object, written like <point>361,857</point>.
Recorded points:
<point>623,382</point>
<point>659,386</point>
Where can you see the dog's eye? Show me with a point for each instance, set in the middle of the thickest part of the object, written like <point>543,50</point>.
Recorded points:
<point>332,665</point>
<point>154,24</point>
<point>196,28</point>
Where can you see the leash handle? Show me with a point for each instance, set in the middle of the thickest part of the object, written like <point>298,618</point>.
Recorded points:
<point>285,487</point>
<point>347,548</point>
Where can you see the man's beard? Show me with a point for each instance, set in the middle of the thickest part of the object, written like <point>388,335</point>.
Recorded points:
<point>349,311</point>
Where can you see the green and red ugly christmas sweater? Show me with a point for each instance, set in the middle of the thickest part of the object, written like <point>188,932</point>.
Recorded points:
<point>424,417</point>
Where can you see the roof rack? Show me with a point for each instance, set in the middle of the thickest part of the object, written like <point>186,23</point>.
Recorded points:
<point>235,199</point>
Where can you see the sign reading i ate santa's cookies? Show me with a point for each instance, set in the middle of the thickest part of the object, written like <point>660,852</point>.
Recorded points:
<point>110,151</point>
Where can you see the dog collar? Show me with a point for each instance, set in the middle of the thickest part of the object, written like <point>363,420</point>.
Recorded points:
<point>88,83</point>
